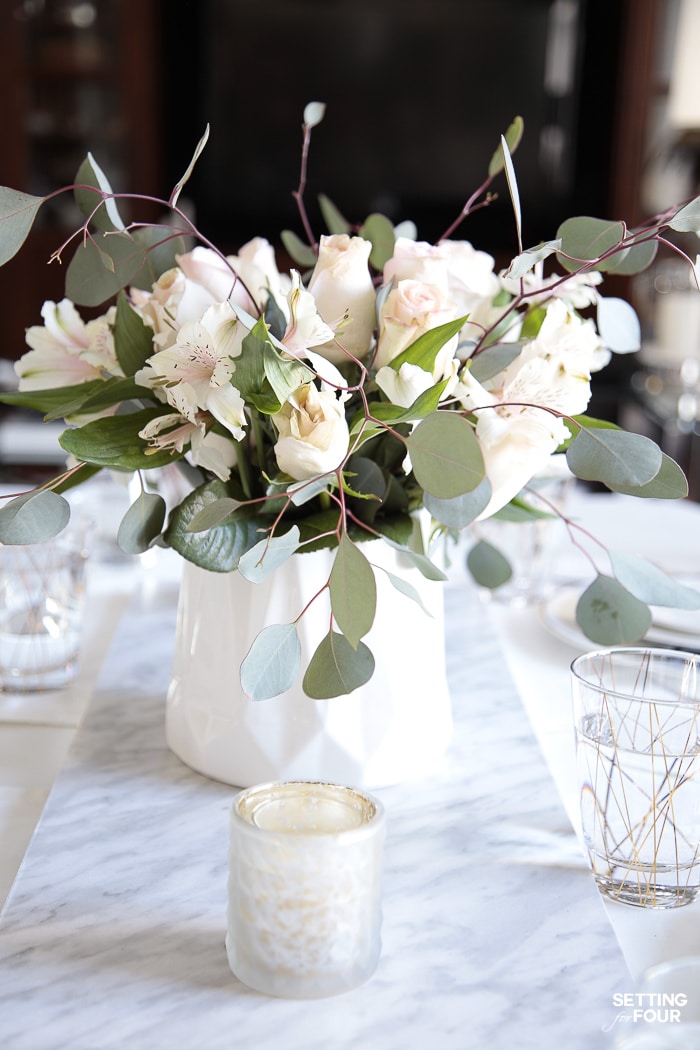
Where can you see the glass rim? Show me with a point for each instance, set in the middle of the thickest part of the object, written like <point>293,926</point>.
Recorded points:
<point>676,655</point>
<point>370,825</point>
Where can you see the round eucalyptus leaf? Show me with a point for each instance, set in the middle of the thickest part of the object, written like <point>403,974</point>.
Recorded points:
<point>609,615</point>
<point>585,239</point>
<point>687,220</point>
<point>33,517</point>
<point>380,231</point>
<point>336,668</point>
<point>650,584</point>
<point>460,511</point>
<point>489,567</point>
<point>613,457</point>
<point>272,663</point>
<point>669,483</point>
<point>267,555</point>
<point>353,591</point>
<point>141,523</point>
<point>17,213</point>
<point>445,455</point>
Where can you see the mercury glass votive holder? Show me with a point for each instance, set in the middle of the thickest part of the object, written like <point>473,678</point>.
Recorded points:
<point>304,902</point>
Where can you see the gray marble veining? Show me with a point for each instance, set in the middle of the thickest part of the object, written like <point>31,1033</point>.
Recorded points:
<point>113,935</point>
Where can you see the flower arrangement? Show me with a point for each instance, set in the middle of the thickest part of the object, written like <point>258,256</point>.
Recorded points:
<point>326,405</point>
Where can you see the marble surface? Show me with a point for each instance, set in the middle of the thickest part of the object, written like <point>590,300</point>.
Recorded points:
<point>494,935</point>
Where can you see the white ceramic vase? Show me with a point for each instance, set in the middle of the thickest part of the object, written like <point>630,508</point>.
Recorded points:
<point>393,729</point>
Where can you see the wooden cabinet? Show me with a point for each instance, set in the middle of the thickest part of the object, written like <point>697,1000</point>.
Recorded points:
<point>76,75</point>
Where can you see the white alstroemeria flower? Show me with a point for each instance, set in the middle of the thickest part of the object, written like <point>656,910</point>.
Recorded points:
<point>66,350</point>
<point>195,373</point>
<point>175,432</point>
<point>313,433</point>
<point>213,452</point>
<point>172,432</point>
<point>306,327</point>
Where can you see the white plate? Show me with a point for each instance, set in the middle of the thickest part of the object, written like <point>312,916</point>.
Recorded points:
<point>675,627</point>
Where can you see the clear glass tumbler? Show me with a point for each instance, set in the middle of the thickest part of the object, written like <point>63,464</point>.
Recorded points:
<point>304,911</point>
<point>637,717</point>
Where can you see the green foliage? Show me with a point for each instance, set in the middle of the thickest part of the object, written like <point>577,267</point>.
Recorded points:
<point>445,455</point>
<point>512,138</point>
<point>353,592</point>
<point>585,240</point>
<point>614,458</point>
<point>133,340</point>
<point>272,663</point>
<point>33,517</point>
<point>609,614</point>
<point>142,523</point>
<point>17,214</point>
<point>337,668</point>
<point>104,216</point>
<point>220,548</point>
<point>489,567</point>
<point>377,229</point>
<point>114,442</point>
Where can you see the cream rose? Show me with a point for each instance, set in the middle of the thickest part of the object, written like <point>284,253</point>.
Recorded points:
<point>313,433</point>
<point>342,286</point>
<point>410,309</point>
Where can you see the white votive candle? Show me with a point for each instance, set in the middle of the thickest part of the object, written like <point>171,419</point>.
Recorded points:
<point>304,911</point>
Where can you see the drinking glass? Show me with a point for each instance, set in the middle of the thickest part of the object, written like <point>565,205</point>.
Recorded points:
<point>637,717</point>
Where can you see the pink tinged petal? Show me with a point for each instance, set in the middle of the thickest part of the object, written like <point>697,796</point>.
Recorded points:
<point>63,321</point>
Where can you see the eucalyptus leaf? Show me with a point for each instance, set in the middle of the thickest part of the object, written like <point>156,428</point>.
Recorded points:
<point>669,483</point>
<point>142,523</point>
<point>159,254</point>
<point>272,663</point>
<point>634,259</point>
<point>613,457</point>
<point>420,561</point>
<point>512,136</point>
<point>380,231</point>
<point>523,263</point>
<point>489,362</point>
<point>650,584</point>
<point>609,614</point>
<point>102,266</point>
<point>33,517</point>
<point>404,587</point>
<point>353,591</point>
<point>462,510</point>
<point>334,220</point>
<point>17,215</point>
<point>618,325</point>
<point>212,514</point>
<point>174,196</point>
<point>301,253</point>
<point>336,668</point>
<point>220,548</point>
<point>445,455</point>
<point>585,239</point>
<point>301,492</point>
<point>489,567</point>
<point>513,190</point>
<point>104,216</point>
<point>687,219</point>
<point>267,555</point>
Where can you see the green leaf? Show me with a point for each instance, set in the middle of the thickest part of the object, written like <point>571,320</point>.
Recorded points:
<point>585,239</point>
<point>17,215</point>
<point>219,549</point>
<point>488,566</point>
<point>404,587</point>
<point>650,584</point>
<point>380,231</point>
<point>114,442</point>
<point>33,517</point>
<point>334,220</point>
<point>513,190</point>
<point>272,662</point>
<point>687,219</point>
<point>107,392</point>
<point>421,562</point>
<point>190,168</point>
<point>424,350</point>
<point>445,455</point>
<point>489,362</point>
<point>336,668</point>
<point>425,404</point>
<point>613,457</point>
<point>142,523</point>
<point>523,263</point>
<point>634,259</point>
<point>314,113</point>
<point>301,253</point>
<point>285,375</point>
<point>102,266</point>
<point>353,591</point>
<point>107,216</point>
<point>462,510</point>
<point>213,514</point>
<point>669,483</point>
<point>512,136</point>
<point>56,401</point>
<point>133,340</point>
<point>159,254</point>
<point>618,325</point>
<point>609,615</point>
<point>267,555</point>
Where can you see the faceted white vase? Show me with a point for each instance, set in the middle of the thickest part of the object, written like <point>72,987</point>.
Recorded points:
<point>395,728</point>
